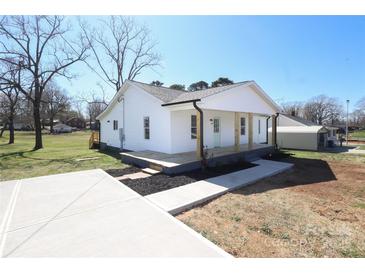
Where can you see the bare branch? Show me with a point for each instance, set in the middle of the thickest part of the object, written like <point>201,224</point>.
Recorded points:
<point>121,48</point>
<point>37,46</point>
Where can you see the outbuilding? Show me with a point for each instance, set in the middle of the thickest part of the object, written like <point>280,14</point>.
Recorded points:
<point>302,137</point>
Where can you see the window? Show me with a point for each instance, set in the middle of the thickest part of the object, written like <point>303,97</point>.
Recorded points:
<point>216,127</point>
<point>146,125</point>
<point>115,125</point>
<point>259,128</point>
<point>243,126</point>
<point>193,127</point>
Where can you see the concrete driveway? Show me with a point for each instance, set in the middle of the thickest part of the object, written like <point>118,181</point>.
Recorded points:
<point>90,214</point>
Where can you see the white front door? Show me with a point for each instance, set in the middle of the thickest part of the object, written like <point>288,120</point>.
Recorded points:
<point>217,132</point>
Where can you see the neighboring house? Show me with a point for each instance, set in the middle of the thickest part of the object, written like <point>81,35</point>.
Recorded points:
<point>62,128</point>
<point>145,117</point>
<point>76,122</point>
<point>297,133</point>
<point>22,126</point>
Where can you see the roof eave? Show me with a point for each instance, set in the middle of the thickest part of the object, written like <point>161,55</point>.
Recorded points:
<point>114,100</point>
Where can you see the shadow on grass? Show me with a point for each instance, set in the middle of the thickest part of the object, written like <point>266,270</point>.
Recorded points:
<point>304,172</point>
<point>50,160</point>
<point>16,153</point>
<point>113,153</point>
<point>338,149</point>
<point>21,154</point>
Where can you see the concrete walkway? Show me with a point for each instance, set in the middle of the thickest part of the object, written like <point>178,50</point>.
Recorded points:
<point>90,214</point>
<point>356,151</point>
<point>178,199</point>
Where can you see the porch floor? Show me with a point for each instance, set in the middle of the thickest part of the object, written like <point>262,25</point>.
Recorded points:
<point>177,159</point>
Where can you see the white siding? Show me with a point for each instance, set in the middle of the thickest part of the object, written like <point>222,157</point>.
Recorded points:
<point>240,99</point>
<point>108,135</point>
<point>180,131</point>
<point>139,104</point>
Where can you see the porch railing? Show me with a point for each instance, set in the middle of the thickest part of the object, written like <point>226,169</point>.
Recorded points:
<point>94,139</point>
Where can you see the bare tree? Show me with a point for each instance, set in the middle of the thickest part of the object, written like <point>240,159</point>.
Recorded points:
<point>361,104</point>
<point>323,110</point>
<point>95,104</point>
<point>3,113</point>
<point>122,49</point>
<point>358,117</point>
<point>10,97</point>
<point>37,45</point>
<point>293,108</point>
<point>94,108</point>
<point>55,102</point>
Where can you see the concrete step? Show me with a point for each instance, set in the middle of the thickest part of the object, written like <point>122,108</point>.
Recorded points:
<point>151,171</point>
<point>155,167</point>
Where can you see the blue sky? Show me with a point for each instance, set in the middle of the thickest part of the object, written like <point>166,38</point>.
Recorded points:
<point>292,57</point>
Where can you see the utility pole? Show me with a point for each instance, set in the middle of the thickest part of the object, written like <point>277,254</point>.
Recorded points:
<point>347,122</point>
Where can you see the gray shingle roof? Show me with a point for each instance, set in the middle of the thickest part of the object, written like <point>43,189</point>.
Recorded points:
<point>300,120</point>
<point>164,94</point>
<point>168,95</point>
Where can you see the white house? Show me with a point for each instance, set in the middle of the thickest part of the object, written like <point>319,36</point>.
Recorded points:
<point>297,133</point>
<point>144,117</point>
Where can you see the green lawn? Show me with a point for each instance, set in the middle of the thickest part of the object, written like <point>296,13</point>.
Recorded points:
<point>327,156</point>
<point>362,147</point>
<point>358,134</point>
<point>61,153</point>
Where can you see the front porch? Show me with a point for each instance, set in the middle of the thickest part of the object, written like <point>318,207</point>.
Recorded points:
<point>181,162</point>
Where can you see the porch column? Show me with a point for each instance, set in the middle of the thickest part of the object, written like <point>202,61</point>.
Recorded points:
<point>237,134</point>
<point>198,136</point>
<point>273,130</point>
<point>250,130</point>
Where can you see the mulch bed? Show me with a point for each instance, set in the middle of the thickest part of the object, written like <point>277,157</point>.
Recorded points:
<point>117,172</point>
<point>160,182</point>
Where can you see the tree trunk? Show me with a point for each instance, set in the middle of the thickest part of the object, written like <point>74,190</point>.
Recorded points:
<point>37,125</point>
<point>51,124</point>
<point>11,130</point>
<point>3,129</point>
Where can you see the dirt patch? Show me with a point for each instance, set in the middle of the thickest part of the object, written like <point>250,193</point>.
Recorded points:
<point>315,210</point>
<point>161,182</point>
